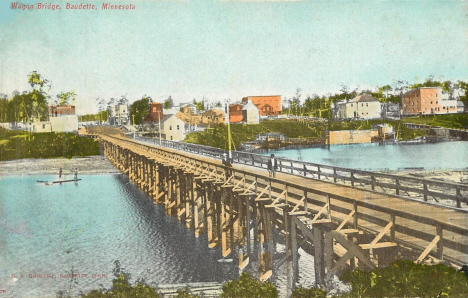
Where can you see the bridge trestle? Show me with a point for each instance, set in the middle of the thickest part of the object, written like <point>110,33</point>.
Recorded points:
<point>246,214</point>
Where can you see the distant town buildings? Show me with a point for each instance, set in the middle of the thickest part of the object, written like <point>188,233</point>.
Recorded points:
<point>168,127</point>
<point>119,114</point>
<point>250,113</point>
<point>269,105</point>
<point>189,109</point>
<point>235,113</point>
<point>212,117</point>
<point>428,100</point>
<point>363,106</point>
<point>155,112</point>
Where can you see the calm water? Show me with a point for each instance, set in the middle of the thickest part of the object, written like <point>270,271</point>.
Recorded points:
<point>446,155</point>
<point>52,230</point>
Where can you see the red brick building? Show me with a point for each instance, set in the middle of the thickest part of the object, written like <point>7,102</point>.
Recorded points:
<point>155,112</point>
<point>425,101</point>
<point>235,113</point>
<point>269,105</point>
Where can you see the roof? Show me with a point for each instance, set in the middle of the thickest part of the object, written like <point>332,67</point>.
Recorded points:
<point>261,96</point>
<point>363,98</point>
<point>249,106</point>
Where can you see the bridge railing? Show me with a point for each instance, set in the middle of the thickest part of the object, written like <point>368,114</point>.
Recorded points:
<point>419,188</point>
<point>427,233</point>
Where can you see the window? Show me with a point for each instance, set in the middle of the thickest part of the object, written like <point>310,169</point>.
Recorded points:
<point>178,127</point>
<point>171,138</point>
<point>367,104</point>
<point>351,105</point>
<point>43,126</point>
<point>170,127</point>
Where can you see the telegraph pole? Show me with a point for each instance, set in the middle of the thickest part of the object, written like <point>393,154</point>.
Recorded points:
<point>229,131</point>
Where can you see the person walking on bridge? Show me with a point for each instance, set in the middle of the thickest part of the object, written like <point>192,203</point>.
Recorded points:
<point>272,166</point>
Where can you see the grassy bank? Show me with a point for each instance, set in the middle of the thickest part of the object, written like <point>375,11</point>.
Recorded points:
<point>21,144</point>
<point>217,136</point>
<point>458,121</point>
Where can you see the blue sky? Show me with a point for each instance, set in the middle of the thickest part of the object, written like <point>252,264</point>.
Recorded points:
<point>230,49</point>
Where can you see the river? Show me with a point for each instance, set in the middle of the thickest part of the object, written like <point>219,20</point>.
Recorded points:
<point>444,155</point>
<point>47,232</point>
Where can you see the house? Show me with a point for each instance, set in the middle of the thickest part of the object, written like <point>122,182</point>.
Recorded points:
<point>155,112</point>
<point>61,119</point>
<point>189,109</point>
<point>426,101</point>
<point>250,113</point>
<point>363,106</point>
<point>189,119</point>
<point>119,115</point>
<point>212,117</point>
<point>269,105</point>
<point>235,113</point>
<point>172,128</point>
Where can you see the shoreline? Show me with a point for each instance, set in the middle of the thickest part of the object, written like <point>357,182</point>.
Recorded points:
<point>97,164</point>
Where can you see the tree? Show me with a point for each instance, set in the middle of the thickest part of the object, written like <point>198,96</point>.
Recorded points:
<point>463,87</point>
<point>200,105</point>
<point>139,109</point>
<point>168,103</point>
<point>64,97</point>
<point>101,104</point>
<point>295,102</point>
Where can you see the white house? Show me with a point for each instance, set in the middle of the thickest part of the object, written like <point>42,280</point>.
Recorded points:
<point>250,113</point>
<point>119,115</point>
<point>65,123</point>
<point>172,128</point>
<point>363,106</point>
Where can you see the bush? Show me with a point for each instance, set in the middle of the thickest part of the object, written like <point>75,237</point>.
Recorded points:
<point>407,279</point>
<point>247,286</point>
<point>301,292</point>
<point>121,287</point>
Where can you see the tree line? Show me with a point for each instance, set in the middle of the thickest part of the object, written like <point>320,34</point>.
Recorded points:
<point>320,106</point>
<point>32,105</point>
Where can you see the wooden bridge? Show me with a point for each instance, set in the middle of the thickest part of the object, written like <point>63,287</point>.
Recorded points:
<point>241,209</point>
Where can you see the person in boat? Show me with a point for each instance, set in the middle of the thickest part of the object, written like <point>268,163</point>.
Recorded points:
<point>272,166</point>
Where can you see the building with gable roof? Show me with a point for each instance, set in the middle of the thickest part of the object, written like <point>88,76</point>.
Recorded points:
<point>363,106</point>
<point>250,113</point>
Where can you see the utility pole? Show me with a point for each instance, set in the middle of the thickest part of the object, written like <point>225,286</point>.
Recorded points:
<point>159,127</point>
<point>229,130</point>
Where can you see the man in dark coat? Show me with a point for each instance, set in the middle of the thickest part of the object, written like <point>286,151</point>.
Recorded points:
<point>272,166</point>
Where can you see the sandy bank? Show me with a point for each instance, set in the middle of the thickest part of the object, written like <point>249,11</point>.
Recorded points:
<point>84,165</point>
